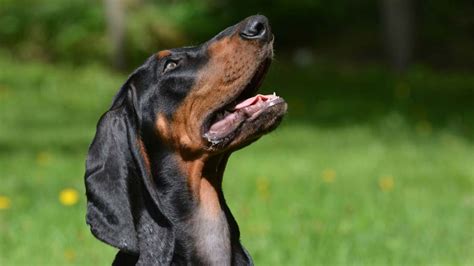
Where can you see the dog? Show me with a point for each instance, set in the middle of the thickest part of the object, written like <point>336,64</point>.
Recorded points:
<point>154,169</point>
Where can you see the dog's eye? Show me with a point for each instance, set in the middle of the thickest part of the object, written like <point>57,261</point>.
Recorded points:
<point>170,65</point>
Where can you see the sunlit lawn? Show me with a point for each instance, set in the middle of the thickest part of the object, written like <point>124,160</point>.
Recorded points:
<point>367,168</point>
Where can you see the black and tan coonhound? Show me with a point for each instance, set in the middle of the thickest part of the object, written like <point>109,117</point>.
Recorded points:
<point>154,169</point>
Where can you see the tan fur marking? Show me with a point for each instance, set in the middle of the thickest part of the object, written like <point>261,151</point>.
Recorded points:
<point>144,154</point>
<point>200,185</point>
<point>209,198</point>
<point>163,128</point>
<point>163,53</point>
<point>193,171</point>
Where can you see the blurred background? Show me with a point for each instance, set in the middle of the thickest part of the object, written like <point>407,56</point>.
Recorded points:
<point>374,164</point>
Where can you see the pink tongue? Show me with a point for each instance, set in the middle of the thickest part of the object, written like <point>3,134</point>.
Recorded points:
<point>252,101</point>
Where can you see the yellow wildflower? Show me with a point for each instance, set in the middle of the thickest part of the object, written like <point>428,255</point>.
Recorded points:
<point>328,175</point>
<point>386,183</point>
<point>5,203</point>
<point>68,197</point>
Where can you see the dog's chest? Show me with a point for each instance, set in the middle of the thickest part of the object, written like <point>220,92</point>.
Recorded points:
<point>212,238</point>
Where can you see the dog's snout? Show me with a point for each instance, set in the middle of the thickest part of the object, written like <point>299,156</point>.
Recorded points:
<point>256,28</point>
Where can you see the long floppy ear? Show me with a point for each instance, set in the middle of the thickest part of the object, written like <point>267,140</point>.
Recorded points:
<point>122,206</point>
<point>110,181</point>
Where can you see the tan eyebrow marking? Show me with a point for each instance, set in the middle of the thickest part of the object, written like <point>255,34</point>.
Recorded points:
<point>163,53</point>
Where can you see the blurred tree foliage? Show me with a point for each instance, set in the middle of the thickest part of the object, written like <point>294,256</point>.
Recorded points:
<point>75,30</point>
<point>53,29</point>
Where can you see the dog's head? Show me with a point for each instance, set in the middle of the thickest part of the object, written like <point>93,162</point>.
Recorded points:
<point>193,101</point>
<point>204,99</point>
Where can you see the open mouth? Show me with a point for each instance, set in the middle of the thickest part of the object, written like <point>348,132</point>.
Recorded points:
<point>225,124</point>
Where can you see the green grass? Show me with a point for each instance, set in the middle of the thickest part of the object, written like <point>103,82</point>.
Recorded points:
<point>367,169</point>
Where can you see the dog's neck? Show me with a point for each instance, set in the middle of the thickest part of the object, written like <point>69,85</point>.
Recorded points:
<point>204,176</point>
<point>205,228</point>
<point>209,222</point>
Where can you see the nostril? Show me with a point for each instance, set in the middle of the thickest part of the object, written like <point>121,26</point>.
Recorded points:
<point>254,29</point>
<point>257,29</point>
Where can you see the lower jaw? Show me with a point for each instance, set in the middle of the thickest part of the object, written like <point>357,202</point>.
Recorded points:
<point>244,135</point>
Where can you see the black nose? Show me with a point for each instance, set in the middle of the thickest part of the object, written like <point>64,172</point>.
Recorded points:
<point>256,28</point>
